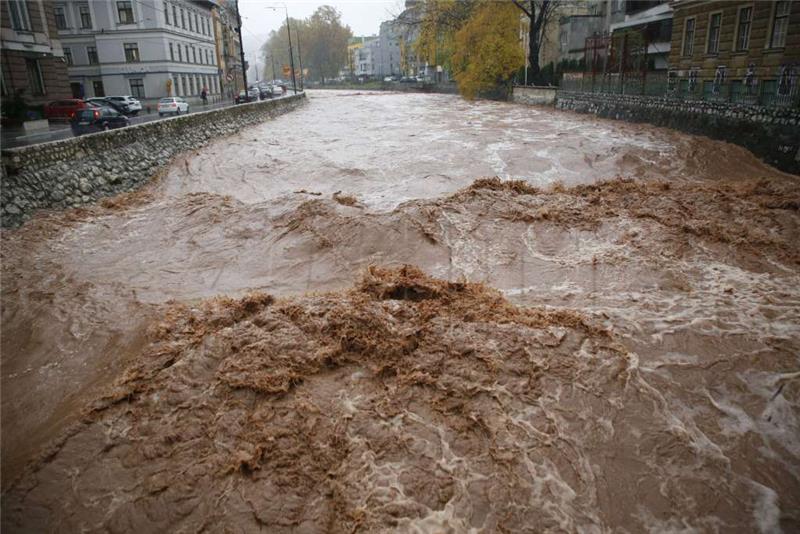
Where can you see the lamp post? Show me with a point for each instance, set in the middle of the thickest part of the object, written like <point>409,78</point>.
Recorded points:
<point>291,52</point>
<point>300,57</point>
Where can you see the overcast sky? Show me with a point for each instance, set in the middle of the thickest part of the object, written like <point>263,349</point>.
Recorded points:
<point>363,16</point>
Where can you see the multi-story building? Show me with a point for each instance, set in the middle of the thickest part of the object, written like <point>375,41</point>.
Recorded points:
<point>751,48</point>
<point>229,52</point>
<point>33,63</point>
<point>353,44</point>
<point>145,48</point>
<point>377,56</point>
<point>364,58</point>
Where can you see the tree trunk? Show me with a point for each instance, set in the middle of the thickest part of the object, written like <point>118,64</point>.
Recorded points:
<point>535,33</point>
<point>534,70</point>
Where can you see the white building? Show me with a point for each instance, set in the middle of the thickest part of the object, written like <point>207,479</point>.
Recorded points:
<point>145,48</point>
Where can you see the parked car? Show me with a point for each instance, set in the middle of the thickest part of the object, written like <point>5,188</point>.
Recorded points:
<point>102,101</point>
<point>97,119</point>
<point>64,109</point>
<point>388,79</point>
<point>134,106</point>
<point>408,79</point>
<point>250,95</point>
<point>172,104</point>
<point>265,91</point>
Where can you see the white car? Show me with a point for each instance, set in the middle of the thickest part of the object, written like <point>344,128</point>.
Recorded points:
<point>172,104</point>
<point>133,105</point>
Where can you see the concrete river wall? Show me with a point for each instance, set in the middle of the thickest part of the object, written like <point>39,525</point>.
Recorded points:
<point>771,133</point>
<point>80,170</point>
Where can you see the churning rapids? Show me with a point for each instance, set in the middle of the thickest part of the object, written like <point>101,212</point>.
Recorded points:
<point>415,313</point>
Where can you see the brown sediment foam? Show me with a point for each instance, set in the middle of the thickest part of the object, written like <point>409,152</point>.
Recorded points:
<point>345,200</point>
<point>745,213</point>
<point>372,408</point>
<point>405,402</point>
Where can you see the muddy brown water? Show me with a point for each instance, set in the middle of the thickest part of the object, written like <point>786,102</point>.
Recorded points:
<point>637,369</point>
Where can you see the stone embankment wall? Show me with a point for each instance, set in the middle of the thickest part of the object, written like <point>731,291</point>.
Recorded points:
<point>771,133</point>
<point>80,170</point>
<point>541,96</point>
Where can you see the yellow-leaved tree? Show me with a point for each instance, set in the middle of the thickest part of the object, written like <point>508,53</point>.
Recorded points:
<point>487,51</point>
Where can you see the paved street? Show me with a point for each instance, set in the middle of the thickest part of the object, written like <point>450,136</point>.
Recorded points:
<point>61,130</point>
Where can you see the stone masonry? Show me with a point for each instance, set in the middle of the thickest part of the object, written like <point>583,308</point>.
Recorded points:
<point>771,133</point>
<point>80,170</point>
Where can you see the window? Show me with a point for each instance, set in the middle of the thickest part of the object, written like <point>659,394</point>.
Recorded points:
<point>68,56</point>
<point>196,23</point>
<point>780,23</point>
<point>171,52</point>
<point>19,16</point>
<point>187,53</point>
<point>131,52</point>
<point>208,57</point>
<point>191,28</point>
<point>91,51</point>
<point>688,37</point>
<point>137,87</point>
<point>99,90</point>
<point>174,16</point>
<point>194,54</point>
<point>35,80</point>
<point>86,17</point>
<point>183,20</point>
<point>166,13</point>
<point>180,54</point>
<point>743,28</point>
<point>714,24</point>
<point>61,17</point>
<point>125,12</point>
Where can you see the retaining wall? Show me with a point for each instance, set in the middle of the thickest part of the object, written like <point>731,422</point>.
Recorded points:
<point>526,94</point>
<point>771,133</point>
<point>80,170</point>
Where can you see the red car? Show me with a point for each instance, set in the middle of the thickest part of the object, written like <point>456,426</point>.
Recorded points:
<point>64,109</point>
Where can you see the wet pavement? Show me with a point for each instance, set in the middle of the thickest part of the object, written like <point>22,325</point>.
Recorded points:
<point>654,385</point>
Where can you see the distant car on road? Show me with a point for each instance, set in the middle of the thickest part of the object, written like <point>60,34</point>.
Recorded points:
<point>97,119</point>
<point>64,109</point>
<point>247,96</point>
<point>102,101</point>
<point>172,104</point>
<point>388,79</point>
<point>134,106</point>
<point>265,91</point>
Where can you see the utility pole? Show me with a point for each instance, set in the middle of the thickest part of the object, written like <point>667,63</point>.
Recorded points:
<point>300,57</point>
<point>291,52</point>
<point>241,50</point>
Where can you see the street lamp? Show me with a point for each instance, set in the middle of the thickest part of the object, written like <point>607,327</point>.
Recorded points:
<point>291,52</point>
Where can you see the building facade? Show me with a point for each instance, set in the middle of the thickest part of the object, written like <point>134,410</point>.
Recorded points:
<point>144,48</point>
<point>229,52</point>
<point>752,48</point>
<point>33,64</point>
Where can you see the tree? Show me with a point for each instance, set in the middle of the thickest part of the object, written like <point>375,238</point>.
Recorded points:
<point>437,25</point>
<point>487,51</point>
<point>277,47</point>
<point>322,40</point>
<point>539,13</point>
<point>325,43</point>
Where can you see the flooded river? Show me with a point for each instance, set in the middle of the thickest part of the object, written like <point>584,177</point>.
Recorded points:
<point>597,329</point>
